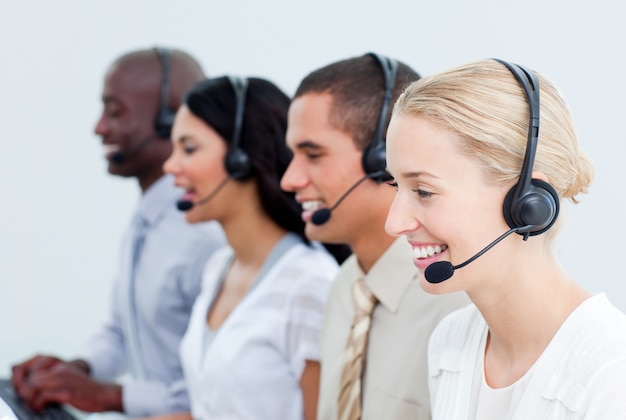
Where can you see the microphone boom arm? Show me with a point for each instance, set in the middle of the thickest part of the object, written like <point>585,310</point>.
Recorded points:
<point>488,247</point>
<point>349,191</point>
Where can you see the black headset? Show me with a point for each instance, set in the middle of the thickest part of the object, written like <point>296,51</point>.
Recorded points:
<point>165,116</point>
<point>237,162</point>
<point>374,160</point>
<point>531,205</point>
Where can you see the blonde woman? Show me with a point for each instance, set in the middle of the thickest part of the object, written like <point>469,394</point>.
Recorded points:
<point>481,155</point>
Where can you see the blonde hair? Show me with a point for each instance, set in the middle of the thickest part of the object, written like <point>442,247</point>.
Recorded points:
<point>484,104</point>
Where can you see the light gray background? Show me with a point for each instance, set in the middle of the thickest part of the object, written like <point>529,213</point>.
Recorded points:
<point>62,215</point>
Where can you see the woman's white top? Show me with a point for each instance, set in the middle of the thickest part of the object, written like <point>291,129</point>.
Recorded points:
<point>580,375</point>
<point>250,367</point>
<point>494,403</point>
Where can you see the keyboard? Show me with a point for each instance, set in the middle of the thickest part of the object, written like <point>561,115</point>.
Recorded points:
<point>22,412</point>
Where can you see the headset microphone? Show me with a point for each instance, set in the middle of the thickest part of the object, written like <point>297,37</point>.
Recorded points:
<point>321,216</point>
<point>186,205</point>
<point>121,157</point>
<point>443,270</point>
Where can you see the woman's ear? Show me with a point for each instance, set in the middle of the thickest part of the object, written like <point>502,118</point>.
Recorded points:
<point>540,176</point>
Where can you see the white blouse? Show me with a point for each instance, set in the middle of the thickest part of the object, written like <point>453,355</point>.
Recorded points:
<point>251,367</point>
<point>580,374</point>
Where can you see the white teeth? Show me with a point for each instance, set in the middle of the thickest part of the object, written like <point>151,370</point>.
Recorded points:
<point>111,147</point>
<point>420,252</point>
<point>311,205</point>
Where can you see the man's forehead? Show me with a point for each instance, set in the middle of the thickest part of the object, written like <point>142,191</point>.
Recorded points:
<point>136,73</point>
<point>310,113</point>
<point>324,140</point>
<point>125,81</point>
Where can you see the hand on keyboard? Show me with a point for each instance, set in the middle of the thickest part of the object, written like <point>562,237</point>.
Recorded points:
<point>22,412</point>
<point>46,379</point>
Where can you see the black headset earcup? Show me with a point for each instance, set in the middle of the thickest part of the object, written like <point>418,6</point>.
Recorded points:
<point>164,122</point>
<point>539,208</point>
<point>374,161</point>
<point>237,164</point>
<point>165,116</point>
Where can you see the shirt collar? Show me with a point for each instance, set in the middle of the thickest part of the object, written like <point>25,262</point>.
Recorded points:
<point>158,199</point>
<point>391,274</point>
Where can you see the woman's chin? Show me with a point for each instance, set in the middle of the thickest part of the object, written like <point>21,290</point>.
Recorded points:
<point>434,288</point>
<point>195,217</point>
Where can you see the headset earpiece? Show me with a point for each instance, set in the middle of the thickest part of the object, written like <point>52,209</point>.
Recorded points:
<point>538,208</point>
<point>164,123</point>
<point>237,162</point>
<point>165,115</point>
<point>532,204</point>
<point>374,160</point>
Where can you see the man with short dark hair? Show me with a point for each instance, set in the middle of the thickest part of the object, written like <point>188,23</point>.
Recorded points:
<point>162,256</point>
<point>377,319</point>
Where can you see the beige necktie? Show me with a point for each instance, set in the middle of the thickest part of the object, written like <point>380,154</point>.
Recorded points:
<point>350,393</point>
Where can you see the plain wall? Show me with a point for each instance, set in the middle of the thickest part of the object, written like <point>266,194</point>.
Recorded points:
<point>62,216</point>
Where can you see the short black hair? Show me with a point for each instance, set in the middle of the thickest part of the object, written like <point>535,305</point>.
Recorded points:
<point>357,86</point>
